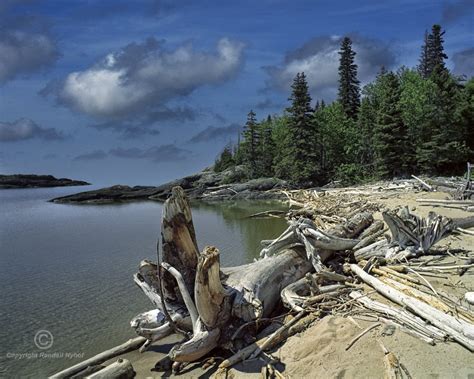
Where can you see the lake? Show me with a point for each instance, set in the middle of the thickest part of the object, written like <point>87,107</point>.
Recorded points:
<point>68,269</point>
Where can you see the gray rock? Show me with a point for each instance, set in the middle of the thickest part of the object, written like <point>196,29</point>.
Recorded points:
<point>36,181</point>
<point>206,185</point>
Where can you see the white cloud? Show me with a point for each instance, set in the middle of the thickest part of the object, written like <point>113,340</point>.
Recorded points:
<point>319,60</point>
<point>142,76</point>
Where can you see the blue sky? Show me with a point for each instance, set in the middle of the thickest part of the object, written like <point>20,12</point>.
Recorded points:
<point>140,92</point>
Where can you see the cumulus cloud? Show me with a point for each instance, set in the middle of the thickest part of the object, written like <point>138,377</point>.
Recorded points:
<point>26,44</point>
<point>25,129</point>
<point>454,10</point>
<point>215,133</point>
<point>141,76</point>
<point>319,60</point>
<point>464,62</point>
<point>92,156</point>
<point>163,153</point>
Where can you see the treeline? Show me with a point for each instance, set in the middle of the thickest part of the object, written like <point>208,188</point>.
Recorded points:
<point>406,122</point>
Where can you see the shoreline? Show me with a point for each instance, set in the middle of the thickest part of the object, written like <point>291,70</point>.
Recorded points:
<point>333,333</point>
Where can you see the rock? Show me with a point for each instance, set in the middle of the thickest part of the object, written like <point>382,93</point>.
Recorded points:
<point>36,181</point>
<point>206,185</point>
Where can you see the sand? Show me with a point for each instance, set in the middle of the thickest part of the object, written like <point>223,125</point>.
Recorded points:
<point>320,351</point>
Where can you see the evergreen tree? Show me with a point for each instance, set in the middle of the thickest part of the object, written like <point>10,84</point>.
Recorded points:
<point>390,132</point>
<point>349,91</point>
<point>250,153</point>
<point>267,147</point>
<point>225,159</point>
<point>432,53</point>
<point>424,57</point>
<point>444,149</point>
<point>302,159</point>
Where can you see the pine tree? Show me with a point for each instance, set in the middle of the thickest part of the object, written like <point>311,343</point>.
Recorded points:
<point>349,91</point>
<point>302,157</point>
<point>250,145</point>
<point>432,53</point>
<point>390,132</point>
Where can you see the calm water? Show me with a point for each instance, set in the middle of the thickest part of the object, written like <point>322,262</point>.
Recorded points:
<point>68,269</point>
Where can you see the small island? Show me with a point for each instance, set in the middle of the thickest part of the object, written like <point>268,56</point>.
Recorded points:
<point>36,181</point>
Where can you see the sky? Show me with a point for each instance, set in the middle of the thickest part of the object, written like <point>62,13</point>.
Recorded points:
<point>145,91</point>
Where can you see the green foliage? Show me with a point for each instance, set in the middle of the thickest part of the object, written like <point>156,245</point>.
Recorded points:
<point>301,158</point>
<point>390,135</point>
<point>432,53</point>
<point>250,145</point>
<point>225,160</point>
<point>349,91</point>
<point>417,120</point>
<point>351,173</point>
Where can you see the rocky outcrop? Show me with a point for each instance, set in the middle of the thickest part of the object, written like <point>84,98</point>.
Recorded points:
<point>206,185</point>
<point>36,181</point>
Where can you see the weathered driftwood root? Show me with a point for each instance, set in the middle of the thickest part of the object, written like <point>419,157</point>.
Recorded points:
<point>460,330</point>
<point>100,358</point>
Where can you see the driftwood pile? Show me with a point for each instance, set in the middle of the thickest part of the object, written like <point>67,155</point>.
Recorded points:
<point>332,259</point>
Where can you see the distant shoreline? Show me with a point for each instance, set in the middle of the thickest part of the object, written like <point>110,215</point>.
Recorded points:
<point>206,185</point>
<point>18,181</point>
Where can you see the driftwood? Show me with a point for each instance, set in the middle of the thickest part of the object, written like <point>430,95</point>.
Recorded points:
<point>121,369</point>
<point>460,330</point>
<point>207,303</point>
<point>402,317</point>
<point>100,358</point>
<point>423,183</point>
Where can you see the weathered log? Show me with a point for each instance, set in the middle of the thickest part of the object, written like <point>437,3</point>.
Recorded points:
<point>121,369</point>
<point>179,243</point>
<point>100,358</point>
<point>423,183</point>
<point>451,202</point>
<point>401,316</point>
<point>461,331</point>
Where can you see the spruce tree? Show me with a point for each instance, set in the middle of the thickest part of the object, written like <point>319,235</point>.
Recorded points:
<point>432,52</point>
<point>424,57</point>
<point>436,49</point>
<point>390,132</point>
<point>267,147</point>
<point>349,90</point>
<point>302,157</point>
<point>250,144</point>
